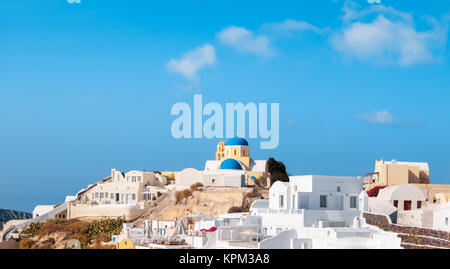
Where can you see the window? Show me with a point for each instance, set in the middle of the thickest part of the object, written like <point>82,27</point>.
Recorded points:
<point>133,179</point>
<point>396,203</point>
<point>338,189</point>
<point>323,201</point>
<point>352,201</point>
<point>281,200</point>
<point>133,196</point>
<point>102,195</point>
<point>293,201</point>
<point>139,178</point>
<point>279,230</point>
<point>96,195</point>
<point>106,195</point>
<point>419,204</point>
<point>295,188</point>
<point>128,178</point>
<point>446,221</point>
<point>112,195</point>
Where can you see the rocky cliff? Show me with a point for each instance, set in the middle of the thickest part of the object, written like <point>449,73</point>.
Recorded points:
<point>7,215</point>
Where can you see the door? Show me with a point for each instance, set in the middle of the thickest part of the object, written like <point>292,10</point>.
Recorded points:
<point>117,197</point>
<point>407,205</point>
<point>338,202</point>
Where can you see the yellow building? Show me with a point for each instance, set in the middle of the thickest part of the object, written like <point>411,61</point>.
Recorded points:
<point>392,173</point>
<point>389,173</point>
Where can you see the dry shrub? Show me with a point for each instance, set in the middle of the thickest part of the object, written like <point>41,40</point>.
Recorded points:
<point>82,238</point>
<point>234,209</point>
<point>50,240</point>
<point>178,196</point>
<point>99,246</point>
<point>187,193</point>
<point>252,194</point>
<point>76,226</point>
<point>55,225</point>
<point>103,237</point>
<point>26,243</point>
<point>194,187</point>
<point>45,245</point>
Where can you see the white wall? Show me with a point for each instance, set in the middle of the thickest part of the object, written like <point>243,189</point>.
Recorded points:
<point>439,219</point>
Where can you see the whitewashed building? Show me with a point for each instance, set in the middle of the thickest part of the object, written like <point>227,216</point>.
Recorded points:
<point>311,200</point>
<point>441,218</point>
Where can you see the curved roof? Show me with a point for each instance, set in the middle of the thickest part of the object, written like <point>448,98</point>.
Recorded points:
<point>231,164</point>
<point>401,192</point>
<point>262,203</point>
<point>236,141</point>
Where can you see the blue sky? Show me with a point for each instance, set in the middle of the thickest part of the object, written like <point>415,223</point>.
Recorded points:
<point>88,86</point>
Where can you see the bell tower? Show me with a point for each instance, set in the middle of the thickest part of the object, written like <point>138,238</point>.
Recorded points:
<point>220,153</point>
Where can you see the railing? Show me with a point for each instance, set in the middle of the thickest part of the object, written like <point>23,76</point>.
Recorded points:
<point>277,211</point>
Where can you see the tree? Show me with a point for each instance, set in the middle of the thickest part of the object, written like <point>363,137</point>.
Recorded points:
<point>277,170</point>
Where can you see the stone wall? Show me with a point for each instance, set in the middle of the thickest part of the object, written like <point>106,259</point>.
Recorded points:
<point>411,235</point>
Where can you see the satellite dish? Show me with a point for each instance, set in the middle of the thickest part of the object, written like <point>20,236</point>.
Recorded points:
<point>73,244</point>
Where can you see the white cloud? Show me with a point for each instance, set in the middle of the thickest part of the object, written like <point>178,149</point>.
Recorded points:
<point>74,1</point>
<point>290,25</point>
<point>245,41</point>
<point>192,61</point>
<point>389,38</point>
<point>374,1</point>
<point>380,117</point>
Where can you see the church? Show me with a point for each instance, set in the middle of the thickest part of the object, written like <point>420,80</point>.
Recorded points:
<point>232,167</point>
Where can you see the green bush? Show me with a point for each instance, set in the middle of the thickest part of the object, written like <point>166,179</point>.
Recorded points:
<point>107,226</point>
<point>33,229</point>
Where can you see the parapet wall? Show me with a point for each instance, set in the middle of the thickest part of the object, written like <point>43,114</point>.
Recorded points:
<point>99,211</point>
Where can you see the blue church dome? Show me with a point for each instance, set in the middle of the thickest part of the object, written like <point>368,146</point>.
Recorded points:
<point>231,164</point>
<point>236,141</point>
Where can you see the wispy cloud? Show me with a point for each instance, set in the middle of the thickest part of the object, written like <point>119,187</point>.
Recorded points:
<point>374,1</point>
<point>389,38</point>
<point>380,117</point>
<point>290,25</point>
<point>192,61</point>
<point>74,1</point>
<point>246,41</point>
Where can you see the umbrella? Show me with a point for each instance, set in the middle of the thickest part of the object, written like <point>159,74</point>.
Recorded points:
<point>250,234</point>
<point>180,229</point>
<point>212,229</point>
